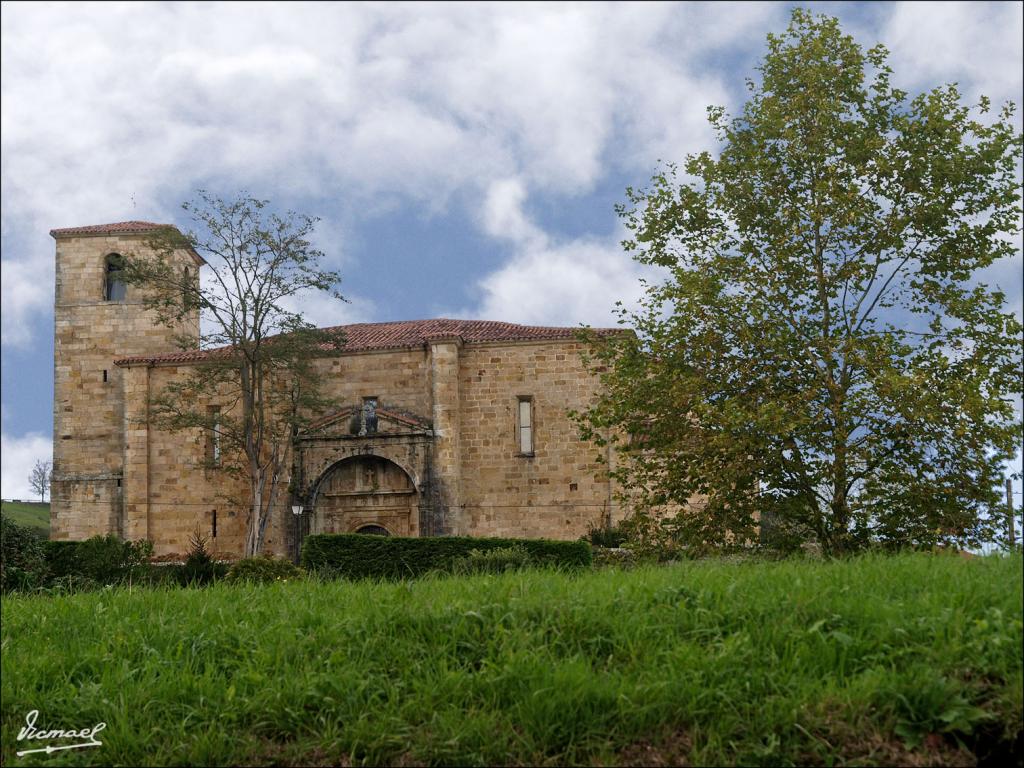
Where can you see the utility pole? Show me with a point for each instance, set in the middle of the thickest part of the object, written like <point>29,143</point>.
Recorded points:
<point>1009,514</point>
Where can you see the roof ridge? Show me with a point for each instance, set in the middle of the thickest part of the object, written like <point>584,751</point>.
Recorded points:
<point>405,334</point>
<point>134,225</point>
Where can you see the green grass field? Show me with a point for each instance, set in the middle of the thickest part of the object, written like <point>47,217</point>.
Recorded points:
<point>908,660</point>
<point>27,513</point>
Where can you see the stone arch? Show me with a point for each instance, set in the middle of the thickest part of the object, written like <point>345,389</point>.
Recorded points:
<point>373,530</point>
<point>365,490</point>
<point>320,462</point>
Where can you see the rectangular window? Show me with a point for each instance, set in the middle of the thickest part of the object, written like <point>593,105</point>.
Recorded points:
<point>526,426</point>
<point>213,436</point>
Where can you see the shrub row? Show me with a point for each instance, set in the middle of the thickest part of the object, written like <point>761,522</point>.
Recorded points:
<point>29,562</point>
<point>103,559</point>
<point>21,556</point>
<point>356,556</point>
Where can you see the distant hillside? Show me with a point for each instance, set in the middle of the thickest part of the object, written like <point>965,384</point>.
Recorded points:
<point>29,513</point>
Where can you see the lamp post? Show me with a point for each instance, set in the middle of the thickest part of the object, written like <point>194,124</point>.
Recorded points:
<point>297,517</point>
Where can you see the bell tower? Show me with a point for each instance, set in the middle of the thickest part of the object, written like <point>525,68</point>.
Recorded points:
<point>97,320</point>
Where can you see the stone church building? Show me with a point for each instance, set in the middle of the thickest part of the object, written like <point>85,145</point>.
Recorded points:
<point>443,427</point>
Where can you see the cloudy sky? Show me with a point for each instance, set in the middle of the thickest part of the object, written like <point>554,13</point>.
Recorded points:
<point>465,159</point>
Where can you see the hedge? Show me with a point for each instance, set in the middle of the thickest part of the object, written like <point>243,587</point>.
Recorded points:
<point>22,563</point>
<point>103,559</point>
<point>62,557</point>
<point>356,556</point>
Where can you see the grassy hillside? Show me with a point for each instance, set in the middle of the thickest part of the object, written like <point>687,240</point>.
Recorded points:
<point>908,660</point>
<point>28,513</point>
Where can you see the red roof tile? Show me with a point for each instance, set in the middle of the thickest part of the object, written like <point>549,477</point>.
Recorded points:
<point>118,228</point>
<point>407,334</point>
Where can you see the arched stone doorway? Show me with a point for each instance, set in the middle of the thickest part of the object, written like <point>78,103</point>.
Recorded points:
<point>366,492</point>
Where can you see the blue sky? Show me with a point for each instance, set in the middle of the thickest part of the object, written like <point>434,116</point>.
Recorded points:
<point>465,159</point>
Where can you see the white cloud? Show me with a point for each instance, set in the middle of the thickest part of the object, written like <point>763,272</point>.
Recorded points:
<point>976,44</point>
<point>26,287</point>
<point>503,215</point>
<point>325,311</point>
<point>139,104</point>
<point>110,111</point>
<point>17,457</point>
<point>548,282</point>
<point>568,284</point>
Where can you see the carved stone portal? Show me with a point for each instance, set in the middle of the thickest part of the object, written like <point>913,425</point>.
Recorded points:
<point>349,481</point>
<point>366,491</point>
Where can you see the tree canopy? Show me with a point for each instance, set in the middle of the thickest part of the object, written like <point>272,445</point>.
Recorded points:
<point>820,353</point>
<point>256,393</point>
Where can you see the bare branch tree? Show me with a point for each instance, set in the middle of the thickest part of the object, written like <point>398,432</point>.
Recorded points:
<point>258,384</point>
<point>39,479</point>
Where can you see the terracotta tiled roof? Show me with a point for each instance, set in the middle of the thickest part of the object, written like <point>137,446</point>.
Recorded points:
<point>407,334</point>
<point>118,228</point>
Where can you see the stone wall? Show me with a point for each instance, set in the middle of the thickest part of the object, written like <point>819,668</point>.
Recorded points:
<point>560,490</point>
<point>89,406</point>
<point>478,485</point>
<point>183,492</point>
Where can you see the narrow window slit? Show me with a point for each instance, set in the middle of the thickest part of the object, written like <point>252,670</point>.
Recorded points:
<point>525,419</point>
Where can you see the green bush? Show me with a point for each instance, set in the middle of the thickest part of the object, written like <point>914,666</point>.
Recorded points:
<point>68,566</point>
<point>612,557</point>
<point>200,568</point>
<point>355,556</point>
<point>263,570</point>
<point>111,560</point>
<point>61,557</point>
<point>601,536</point>
<point>99,560</point>
<point>498,560</point>
<point>22,559</point>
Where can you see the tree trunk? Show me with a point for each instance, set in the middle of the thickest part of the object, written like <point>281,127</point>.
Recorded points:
<point>252,533</point>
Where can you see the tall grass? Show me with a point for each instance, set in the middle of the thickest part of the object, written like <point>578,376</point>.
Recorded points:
<point>873,660</point>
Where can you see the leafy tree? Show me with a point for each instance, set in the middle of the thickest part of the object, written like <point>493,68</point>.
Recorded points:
<point>255,388</point>
<point>820,351</point>
<point>39,479</point>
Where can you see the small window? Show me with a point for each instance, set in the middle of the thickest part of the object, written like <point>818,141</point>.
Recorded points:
<point>374,530</point>
<point>104,375</point>
<point>213,436</point>
<point>526,426</point>
<point>214,521</point>
<point>116,289</point>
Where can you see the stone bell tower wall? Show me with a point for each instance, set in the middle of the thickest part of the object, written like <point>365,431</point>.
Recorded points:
<point>88,411</point>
